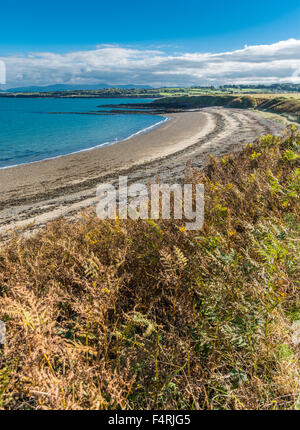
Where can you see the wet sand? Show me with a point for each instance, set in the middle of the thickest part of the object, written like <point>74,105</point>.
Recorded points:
<point>42,191</point>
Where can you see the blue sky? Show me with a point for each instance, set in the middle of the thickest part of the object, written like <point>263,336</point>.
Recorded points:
<point>212,25</point>
<point>174,28</point>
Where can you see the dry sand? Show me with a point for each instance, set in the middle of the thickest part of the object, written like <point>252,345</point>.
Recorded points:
<point>40,192</point>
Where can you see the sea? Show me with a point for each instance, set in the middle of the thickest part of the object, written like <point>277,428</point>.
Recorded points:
<point>31,132</point>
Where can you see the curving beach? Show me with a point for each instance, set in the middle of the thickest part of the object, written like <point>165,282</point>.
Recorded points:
<point>42,191</point>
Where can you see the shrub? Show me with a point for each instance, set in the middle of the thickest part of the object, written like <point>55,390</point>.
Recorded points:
<point>136,314</point>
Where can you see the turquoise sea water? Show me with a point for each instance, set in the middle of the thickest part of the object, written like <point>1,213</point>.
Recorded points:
<point>28,132</point>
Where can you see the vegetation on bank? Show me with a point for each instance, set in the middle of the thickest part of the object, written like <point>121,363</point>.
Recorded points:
<point>136,314</point>
<point>282,105</point>
<point>289,107</point>
<point>190,102</point>
<point>277,104</point>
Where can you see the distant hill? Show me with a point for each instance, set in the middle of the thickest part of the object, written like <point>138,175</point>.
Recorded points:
<point>65,87</point>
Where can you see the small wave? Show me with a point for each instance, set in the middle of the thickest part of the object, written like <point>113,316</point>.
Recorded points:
<point>143,131</point>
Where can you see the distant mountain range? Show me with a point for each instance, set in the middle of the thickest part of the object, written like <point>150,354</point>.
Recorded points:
<point>63,87</point>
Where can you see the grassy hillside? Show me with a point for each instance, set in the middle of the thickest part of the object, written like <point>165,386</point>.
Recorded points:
<point>136,314</point>
<point>288,106</point>
<point>243,102</point>
<point>281,105</point>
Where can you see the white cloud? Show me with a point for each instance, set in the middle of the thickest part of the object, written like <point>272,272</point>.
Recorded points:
<point>2,73</point>
<point>114,64</point>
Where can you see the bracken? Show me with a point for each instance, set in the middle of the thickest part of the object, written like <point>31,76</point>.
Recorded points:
<point>112,315</point>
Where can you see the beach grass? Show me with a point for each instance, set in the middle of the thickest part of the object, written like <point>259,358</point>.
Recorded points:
<point>146,315</point>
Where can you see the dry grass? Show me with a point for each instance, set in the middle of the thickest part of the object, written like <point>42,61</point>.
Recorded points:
<point>274,95</point>
<point>137,315</point>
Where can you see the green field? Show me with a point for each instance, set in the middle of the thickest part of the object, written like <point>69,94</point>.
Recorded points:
<point>283,90</point>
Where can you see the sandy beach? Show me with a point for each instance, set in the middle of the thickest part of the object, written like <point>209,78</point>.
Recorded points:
<point>39,192</point>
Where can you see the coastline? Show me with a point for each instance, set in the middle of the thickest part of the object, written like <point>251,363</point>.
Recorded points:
<point>101,145</point>
<point>138,149</point>
<point>38,192</point>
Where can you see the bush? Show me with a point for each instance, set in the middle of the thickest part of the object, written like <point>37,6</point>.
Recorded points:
<point>137,314</point>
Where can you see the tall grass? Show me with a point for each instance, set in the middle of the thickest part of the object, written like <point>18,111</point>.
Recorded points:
<point>136,314</point>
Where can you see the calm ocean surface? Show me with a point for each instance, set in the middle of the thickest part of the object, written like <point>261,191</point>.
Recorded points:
<point>29,133</point>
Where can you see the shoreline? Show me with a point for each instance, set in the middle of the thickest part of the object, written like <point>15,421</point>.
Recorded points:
<point>142,131</point>
<point>45,190</point>
<point>139,149</point>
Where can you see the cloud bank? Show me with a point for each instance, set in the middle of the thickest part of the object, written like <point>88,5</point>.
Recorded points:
<point>113,64</point>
